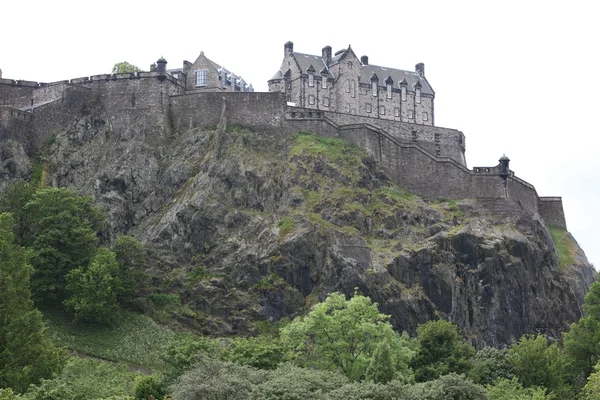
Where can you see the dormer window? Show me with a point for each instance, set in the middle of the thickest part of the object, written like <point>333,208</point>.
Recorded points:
<point>201,77</point>
<point>389,90</point>
<point>311,80</point>
<point>374,88</point>
<point>418,95</point>
<point>403,93</point>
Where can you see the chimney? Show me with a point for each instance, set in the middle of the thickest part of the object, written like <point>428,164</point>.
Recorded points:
<point>326,52</point>
<point>420,70</point>
<point>364,60</point>
<point>288,48</point>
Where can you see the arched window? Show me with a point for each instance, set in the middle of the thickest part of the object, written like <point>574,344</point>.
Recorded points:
<point>374,88</point>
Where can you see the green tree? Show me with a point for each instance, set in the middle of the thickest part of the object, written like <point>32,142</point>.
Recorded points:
<point>447,387</point>
<point>124,67</point>
<point>131,257</point>
<point>591,303</point>
<point>591,390</point>
<point>582,346</point>
<point>440,350</point>
<point>340,334</point>
<point>61,235</point>
<point>262,352</point>
<point>381,369</point>
<point>489,364</point>
<point>13,200</point>
<point>94,289</point>
<point>26,354</point>
<point>504,389</point>
<point>536,363</point>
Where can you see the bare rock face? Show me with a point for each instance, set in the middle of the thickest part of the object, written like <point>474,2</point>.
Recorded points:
<point>14,163</point>
<point>249,227</point>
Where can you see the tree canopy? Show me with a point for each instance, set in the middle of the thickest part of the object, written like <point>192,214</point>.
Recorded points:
<point>124,67</point>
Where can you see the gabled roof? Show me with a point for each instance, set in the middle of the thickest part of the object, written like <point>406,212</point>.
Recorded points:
<point>397,75</point>
<point>305,61</point>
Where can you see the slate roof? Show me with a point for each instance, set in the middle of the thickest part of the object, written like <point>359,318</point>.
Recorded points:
<point>367,71</point>
<point>306,60</point>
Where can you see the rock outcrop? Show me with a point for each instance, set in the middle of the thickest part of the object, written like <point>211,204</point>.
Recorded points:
<point>249,227</point>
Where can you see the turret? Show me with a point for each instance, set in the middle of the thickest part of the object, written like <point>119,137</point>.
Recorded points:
<point>161,69</point>
<point>504,170</point>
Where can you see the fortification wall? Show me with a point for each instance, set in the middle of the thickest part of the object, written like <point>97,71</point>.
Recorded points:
<point>260,110</point>
<point>443,142</point>
<point>551,210</point>
<point>16,93</point>
<point>15,124</point>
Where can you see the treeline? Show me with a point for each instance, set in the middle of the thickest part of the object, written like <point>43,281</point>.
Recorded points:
<point>52,253</point>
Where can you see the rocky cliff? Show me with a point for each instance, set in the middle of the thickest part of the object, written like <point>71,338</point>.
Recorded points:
<point>249,227</point>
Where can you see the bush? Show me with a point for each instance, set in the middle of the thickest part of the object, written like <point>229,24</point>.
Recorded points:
<point>147,387</point>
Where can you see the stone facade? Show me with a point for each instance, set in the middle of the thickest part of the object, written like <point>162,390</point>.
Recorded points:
<point>345,84</point>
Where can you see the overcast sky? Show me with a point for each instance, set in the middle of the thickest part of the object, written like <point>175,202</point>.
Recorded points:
<point>516,77</point>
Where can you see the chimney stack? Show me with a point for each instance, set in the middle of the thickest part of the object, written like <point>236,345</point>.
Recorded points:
<point>364,60</point>
<point>326,52</point>
<point>288,48</point>
<point>420,70</point>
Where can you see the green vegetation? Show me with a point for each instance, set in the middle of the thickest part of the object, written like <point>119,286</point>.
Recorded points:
<point>564,246</point>
<point>26,353</point>
<point>133,339</point>
<point>124,67</point>
<point>286,226</point>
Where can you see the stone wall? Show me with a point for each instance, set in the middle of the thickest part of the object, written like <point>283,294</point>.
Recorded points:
<point>16,93</point>
<point>551,210</point>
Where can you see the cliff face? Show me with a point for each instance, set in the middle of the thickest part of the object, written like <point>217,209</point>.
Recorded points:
<point>249,227</point>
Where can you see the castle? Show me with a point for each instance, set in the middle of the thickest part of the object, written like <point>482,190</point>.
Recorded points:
<point>388,112</point>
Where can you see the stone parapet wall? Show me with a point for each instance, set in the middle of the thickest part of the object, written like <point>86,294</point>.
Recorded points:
<point>551,210</point>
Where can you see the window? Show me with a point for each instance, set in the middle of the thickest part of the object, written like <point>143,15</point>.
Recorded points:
<point>352,88</point>
<point>403,89</point>
<point>418,96</point>
<point>349,64</point>
<point>348,86</point>
<point>396,112</point>
<point>311,80</point>
<point>425,116</point>
<point>381,110</point>
<point>368,107</point>
<point>311,99</point>
<point>326,101</point>
<point>410,114</point>
<point>374,88</point>
<point>347,108</point>
<point>389,90</point>
<point>201,77</point>
<point>324,82</point>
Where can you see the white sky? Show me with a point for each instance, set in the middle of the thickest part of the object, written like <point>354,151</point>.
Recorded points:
<point>517,77</point>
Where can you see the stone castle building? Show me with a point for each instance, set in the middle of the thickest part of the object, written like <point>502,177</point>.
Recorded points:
<point>343,83</point>
<point>388,112</point>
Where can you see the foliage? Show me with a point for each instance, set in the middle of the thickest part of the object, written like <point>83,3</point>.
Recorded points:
<point>447,387</point>
<point>490,364</point>
<point>87,378</point>
<point>13,200</point>
<point>343,334</point>
<point>26,353</point>
<point>133,339</point>
<point>148,388</point>
<point>184,351</point>
<point>536,363</point>
<point>440,350</point>
<point>563,244</point>
<point>289,382</point>
<point>261,352</point>
<point>124,67</point>
<point>286,226</point>
<point>214,379</point>
<point>582,345</point>
<point>591,303</point>
<point>504,389</point>
<point>591,390</point>
<point>94,289</point>
<point>62,236</point>
<point>381,369</point>
<point>131,256</point>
